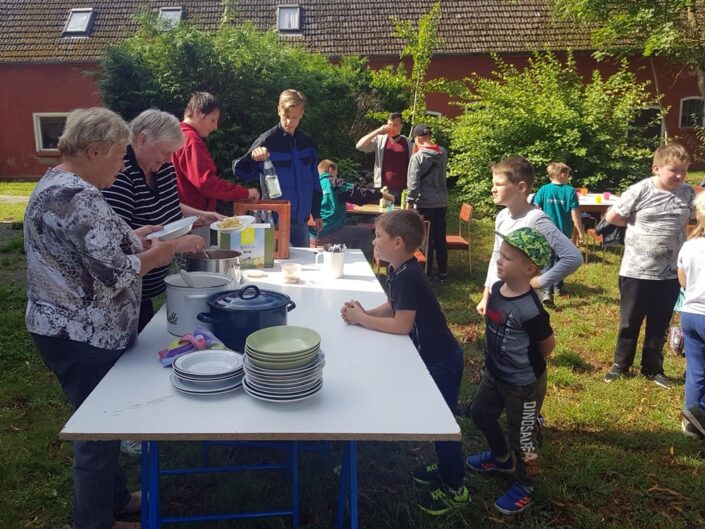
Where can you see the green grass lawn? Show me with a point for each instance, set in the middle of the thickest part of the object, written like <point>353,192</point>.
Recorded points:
<point>613,455</point>
<point>11,210</point>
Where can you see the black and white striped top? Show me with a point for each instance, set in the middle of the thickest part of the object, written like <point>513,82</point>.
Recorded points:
<point>137,203</point>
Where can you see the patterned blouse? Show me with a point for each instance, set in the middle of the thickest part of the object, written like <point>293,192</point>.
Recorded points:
<point>83,279</point>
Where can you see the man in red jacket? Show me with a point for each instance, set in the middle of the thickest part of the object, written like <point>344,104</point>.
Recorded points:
<point>196,173</point>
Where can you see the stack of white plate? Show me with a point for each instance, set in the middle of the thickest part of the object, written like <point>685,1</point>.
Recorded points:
<point>283,364</point>
<point>208,372</point>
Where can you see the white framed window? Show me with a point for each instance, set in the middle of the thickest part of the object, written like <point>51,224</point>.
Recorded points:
<point>691,114</point>
<point>434,113</point>
<point>289,18</point>
<point>79,23</point>
<point>48,127</point>
<point>170,16</point>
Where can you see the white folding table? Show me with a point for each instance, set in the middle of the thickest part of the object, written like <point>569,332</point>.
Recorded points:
<point>375,387</point>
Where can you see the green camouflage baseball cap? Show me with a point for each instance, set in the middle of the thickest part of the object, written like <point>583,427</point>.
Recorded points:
<point>531,243</point>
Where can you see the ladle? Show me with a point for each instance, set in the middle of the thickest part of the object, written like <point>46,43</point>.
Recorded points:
<point>187,278</point>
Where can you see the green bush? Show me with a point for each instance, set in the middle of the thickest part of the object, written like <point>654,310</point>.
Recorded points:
<point>548,112</point>
<point>247,69</point>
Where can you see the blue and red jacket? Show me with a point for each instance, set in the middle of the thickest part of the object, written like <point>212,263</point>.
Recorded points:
<point>294,158</point>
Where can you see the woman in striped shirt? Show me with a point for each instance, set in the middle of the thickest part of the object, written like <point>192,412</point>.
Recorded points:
<point>145,193</point>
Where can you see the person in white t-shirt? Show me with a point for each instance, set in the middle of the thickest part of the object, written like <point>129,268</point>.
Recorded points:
<point>655,212</point>
<point>691,274</point>
<point>512,180</point>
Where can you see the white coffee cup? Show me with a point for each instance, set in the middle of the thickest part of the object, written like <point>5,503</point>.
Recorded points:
<point>333,263</point>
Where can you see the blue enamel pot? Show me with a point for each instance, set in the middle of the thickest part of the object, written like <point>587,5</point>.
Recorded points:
<point>235,314</point>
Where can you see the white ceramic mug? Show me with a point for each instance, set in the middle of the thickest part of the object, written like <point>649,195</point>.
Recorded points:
<point>332,263</point>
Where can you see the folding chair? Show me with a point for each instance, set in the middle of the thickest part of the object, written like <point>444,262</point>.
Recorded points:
<point>459,242</point>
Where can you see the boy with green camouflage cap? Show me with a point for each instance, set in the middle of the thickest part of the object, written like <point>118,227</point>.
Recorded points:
<point>519,338</point>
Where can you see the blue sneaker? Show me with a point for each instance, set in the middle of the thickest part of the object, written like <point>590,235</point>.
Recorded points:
<point>485,462</point>
<point>517,499</point>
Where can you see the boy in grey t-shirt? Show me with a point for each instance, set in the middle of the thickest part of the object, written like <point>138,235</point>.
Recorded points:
<point>519,339</point>
<point>655,212</point>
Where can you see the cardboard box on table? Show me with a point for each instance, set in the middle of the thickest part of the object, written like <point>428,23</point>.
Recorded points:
<point>256,243</point>
<point>282,208</point>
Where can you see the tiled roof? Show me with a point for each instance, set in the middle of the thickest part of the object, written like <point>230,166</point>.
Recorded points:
<point>30,30</point>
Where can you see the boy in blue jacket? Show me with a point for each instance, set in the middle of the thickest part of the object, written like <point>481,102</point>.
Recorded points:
<point>293,155</point>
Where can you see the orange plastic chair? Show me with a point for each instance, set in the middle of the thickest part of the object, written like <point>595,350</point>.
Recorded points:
<point>460,242</point>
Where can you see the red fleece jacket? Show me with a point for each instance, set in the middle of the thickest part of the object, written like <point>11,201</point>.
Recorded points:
<point>197,175</point>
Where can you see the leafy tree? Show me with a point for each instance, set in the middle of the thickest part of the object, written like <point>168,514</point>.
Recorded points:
<point>419,44</point>
<point>547,112</point>
<point>247,69</point>
<point>666,28</point>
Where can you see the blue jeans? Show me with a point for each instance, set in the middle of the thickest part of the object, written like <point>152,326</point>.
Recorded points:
<point>447,375</point>
<point>99,481</point>
<point>693,326</point>
<point>298,234</point>
<point>548,289</point>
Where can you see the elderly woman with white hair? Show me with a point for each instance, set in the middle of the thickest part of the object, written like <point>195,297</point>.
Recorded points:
<point>145,192</point>
<point>84,269</point>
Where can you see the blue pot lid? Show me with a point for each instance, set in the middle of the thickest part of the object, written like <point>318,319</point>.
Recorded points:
<point>249,298</point>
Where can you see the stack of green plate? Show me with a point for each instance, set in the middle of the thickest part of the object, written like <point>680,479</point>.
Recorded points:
<point>283,364</point>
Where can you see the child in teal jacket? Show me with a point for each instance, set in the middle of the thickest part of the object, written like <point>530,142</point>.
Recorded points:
<point>336,193</point>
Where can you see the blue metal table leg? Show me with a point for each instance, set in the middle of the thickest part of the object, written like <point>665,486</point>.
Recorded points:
<point>295,482</point>
<point>348,486</point>
<point>352,456</point>
<point>342,490</point>
<point>144,480</point>
<point>154,520</point>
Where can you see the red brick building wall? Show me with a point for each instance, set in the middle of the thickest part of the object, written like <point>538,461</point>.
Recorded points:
<point>26,89</point>
<point>674,82</point>
<point>29,88</point>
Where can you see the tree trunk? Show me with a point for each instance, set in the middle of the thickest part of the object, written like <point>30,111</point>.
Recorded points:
<point>700,70</point>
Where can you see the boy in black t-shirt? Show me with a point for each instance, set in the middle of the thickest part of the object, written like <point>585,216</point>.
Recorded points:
<point>412,308</point>
<point>519,339</point>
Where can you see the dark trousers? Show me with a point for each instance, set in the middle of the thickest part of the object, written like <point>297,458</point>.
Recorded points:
<point>298,234</point>
<point>641,299</point>
<point>447,376</point>
<point>99,481</point>
<point>146,314</point>
<point>436,239</point>
<point>522,404</point>
<point>553,260</point>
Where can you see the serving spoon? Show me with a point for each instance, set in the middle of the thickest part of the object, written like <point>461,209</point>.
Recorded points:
<point>187,278</point>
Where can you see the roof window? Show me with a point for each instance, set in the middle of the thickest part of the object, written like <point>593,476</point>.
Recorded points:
<point>289,18</point>
<point>79,23</point>
<point>170,16</point>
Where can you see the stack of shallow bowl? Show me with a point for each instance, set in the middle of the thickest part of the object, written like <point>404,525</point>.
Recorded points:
<point>210,372</point>
<point>283,364</point>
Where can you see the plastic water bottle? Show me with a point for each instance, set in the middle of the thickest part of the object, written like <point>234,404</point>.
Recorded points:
<point>271,180</point>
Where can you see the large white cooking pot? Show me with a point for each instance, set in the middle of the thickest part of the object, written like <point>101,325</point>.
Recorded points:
<point>183,303</point>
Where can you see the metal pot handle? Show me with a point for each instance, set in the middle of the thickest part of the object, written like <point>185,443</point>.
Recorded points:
<point>206,318</point>
<point>249,288</point>
<point>290,306</point>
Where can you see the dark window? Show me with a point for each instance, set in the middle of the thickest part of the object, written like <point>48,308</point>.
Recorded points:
<point>79,23</point>
<point>648,122</point>
<point>170,16</point>
<point>691,112</point>
<point>289,18</point>
<point>47,130</point>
